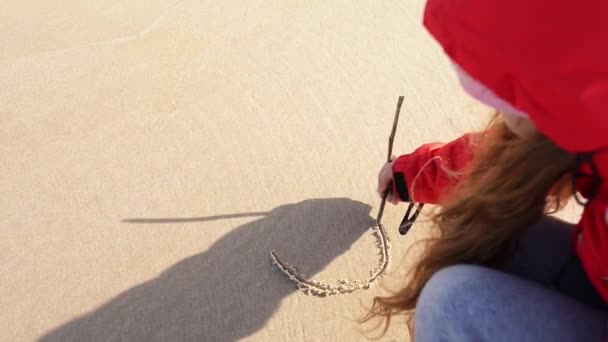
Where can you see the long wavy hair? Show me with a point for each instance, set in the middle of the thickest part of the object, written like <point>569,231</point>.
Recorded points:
<point>509,185</point>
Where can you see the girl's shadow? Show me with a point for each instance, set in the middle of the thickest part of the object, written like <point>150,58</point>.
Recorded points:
<point>229,291</point>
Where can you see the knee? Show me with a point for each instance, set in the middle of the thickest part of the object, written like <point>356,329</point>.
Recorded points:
<point>445,297</point>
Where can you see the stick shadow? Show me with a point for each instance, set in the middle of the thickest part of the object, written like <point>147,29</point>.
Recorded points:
<point>229,291</point>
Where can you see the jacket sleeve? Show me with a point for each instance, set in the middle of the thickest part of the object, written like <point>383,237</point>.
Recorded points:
<point>429,173</point>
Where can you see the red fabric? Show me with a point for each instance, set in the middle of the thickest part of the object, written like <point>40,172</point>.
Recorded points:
<point>425,168</point>
<point>547,58</point>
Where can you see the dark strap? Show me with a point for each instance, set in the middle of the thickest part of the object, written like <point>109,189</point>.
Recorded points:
<point>581,160</point>
<point>408,221</point>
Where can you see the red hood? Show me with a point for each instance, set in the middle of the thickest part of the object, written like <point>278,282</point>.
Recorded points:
<point>548,58</point>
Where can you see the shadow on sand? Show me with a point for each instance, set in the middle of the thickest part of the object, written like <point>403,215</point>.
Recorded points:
<point>231,290</point>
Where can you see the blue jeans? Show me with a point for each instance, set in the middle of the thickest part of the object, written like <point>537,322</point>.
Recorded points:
<point>541,294</point>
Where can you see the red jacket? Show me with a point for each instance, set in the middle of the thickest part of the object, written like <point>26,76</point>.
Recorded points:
<point>431,171</point>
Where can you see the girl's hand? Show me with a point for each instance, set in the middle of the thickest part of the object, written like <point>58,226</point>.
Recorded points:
<point>385,182</point>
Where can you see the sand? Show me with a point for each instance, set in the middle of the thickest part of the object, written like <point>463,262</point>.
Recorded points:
<point>154,151</point>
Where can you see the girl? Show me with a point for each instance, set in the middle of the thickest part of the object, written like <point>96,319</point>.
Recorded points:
<point>499,269</point>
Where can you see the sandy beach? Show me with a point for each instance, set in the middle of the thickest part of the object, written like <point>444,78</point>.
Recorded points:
<point>154,152</point>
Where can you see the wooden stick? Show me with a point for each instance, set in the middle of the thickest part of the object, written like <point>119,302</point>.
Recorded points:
<point>391,138</point>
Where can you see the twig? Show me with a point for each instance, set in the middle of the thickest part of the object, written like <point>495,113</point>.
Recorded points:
<point>390,152</point>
